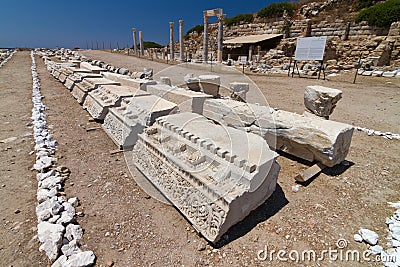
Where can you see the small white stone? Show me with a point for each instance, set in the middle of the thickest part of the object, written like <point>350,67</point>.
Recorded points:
<point>358,238</point>
<point>369,236</point>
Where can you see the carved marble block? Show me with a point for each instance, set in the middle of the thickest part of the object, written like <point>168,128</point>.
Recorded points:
<point>312,139</point>
<point>128,81</point>
<point>94,69</point>
<point>80,90</point>
<point>124,123</point>
<point>188,101</point>
<point>214,175</point>
<point>77,77</point>
<point>98,101</point>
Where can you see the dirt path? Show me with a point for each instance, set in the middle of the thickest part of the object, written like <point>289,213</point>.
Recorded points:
<point>17,183</point>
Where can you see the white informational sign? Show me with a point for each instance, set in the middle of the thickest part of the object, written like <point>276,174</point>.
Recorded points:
<point>310,48</point>
<point>243,59</point>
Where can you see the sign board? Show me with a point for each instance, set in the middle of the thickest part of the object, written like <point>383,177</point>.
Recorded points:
<point>243,59</point>
<point>310,48</point>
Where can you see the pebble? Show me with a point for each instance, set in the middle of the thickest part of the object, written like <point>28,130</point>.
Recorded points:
<point>369,236</point>
<point>17,211</point>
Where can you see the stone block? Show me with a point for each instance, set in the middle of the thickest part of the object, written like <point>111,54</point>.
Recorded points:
<point>124,123</point>
<point>188,101</point>
<point>202,182</point>
<point>77,77</point>
<point>312,139</point>
<point>192,82</point>
<point>98,101</point>
<point>128,81</point>
<point>94,69</point>
<point>80,90</point>
<point>321,100</point>
<point>209,84</point>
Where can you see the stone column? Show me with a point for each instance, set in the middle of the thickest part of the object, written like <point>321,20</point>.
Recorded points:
<point>251,47</point>
<point>141,43</point>
<point>171,40</point>
<point>205,38</point>
<point>221,19</point>
<point>309,28</point>
<point>134,40</point>
<point>181,42</point>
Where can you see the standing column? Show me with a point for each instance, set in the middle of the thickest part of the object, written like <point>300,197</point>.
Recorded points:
<point>250,52</point>
<point>181,42</point>
<point>205,38</point>
<point>134,40</point>
<point>141,43</point>
<point>171,40</point>
<point>221,19</point>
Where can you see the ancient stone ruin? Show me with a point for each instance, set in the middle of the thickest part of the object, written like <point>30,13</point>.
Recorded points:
<point>211,155</point>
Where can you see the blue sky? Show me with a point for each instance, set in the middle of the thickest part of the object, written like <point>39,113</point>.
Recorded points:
<point>30,23</point>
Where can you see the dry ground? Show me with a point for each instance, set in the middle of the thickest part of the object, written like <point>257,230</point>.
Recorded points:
<point>123,225</point>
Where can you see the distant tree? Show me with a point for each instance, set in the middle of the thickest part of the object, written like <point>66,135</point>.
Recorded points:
<point>150,45</point>
<point>240,18</point>
<point>275,10</point>
<point>198,29</point>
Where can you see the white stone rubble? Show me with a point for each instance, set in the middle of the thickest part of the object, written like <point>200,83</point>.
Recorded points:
<point>387,135</point>
<point>57,232</point>
<point>8,58</point>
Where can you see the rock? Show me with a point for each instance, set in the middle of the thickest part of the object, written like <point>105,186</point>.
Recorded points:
<point>81,259</point>
<point>60,262</point>
<point>369,236</point>
<point>239,90</point>
<point>50,235</point>
<point>192,82</point>
<point>377,73</point>
<point>44,194</point>
<point>65,218</point>
<point>389,73</point>
<point>17,211</point>
<point>71,248</point>
<point>51,182</point>
<point>74,201</point>
<point>321,100</point>
<point>367,73</point>
<point>73,232</point>
<point>375,250</point>
<point>285,131</point>
<point>358,238</point>
<point>209,84</point>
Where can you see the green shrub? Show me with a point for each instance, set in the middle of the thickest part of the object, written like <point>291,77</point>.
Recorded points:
<point>382,14</point>
<point>198,28</point>
<point>151,45</point>
<point>246,18</point>
<point>275,10</point>
<point>364,3</point>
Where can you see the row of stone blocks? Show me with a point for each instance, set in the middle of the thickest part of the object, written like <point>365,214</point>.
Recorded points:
<point>213,173</point>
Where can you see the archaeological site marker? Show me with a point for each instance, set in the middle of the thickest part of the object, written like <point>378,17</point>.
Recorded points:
<point>310,48</point>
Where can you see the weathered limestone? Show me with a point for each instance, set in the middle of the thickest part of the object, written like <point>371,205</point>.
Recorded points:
<point>78,77</point>
<point>209,84</point>
<point>214,176</point>
<point>171,40</point>
<point>94,69</point>
<point>321,100</point>
<point>127,81</point>
<point>135,48</point>
<point>187,100</point>
<point>124,123</point>
<point>192,82</point>
<point>141,43</point>
<point>98,101</point>
<point>80,90</point>
<point>181,42</point>
<point>312,139</point>
<point>239,90</point>
<point>221,19</point>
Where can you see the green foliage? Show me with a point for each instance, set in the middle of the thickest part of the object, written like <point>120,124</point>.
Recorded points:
<point>198,28</point>
<point>246,18</point>
<point>382,14</point>
<point>275,10</point>
<point>364,3</point>
<point>150,45</point>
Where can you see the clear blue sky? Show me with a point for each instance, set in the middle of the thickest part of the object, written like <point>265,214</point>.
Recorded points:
<point>30,23</point>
